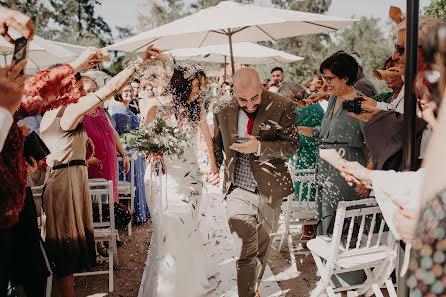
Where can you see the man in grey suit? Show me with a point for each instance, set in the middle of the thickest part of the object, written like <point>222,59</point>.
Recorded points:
<point>254,134</point>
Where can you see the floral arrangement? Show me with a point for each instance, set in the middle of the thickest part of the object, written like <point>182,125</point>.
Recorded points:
<point>157,137</point>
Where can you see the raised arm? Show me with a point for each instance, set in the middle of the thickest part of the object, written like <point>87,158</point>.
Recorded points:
<point>75,112</point>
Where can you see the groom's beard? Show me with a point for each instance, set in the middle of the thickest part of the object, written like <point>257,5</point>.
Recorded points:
<point>251,114</point>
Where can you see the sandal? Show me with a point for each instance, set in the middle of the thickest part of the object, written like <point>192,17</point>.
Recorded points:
<point>102,252</point>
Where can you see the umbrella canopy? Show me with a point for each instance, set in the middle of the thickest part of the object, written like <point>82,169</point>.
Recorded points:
<point>230,22</point>
<point>42,53</point>
<point>244,53</point>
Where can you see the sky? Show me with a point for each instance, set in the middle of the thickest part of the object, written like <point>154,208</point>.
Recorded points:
<point>124,13</point>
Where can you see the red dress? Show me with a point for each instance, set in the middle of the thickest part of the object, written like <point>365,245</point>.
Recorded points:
<point>45,90</point>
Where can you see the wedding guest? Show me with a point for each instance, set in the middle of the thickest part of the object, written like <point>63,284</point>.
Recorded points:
<point>126,121</point>
<point>362,83</point>
<point>265,83</point>
<point>277,76</point>
<point>344,133</point>
<point>386,148</point>
<point>305,158</point>
<point>104,163</point>
<point>317,89</point>
<point>66,199</point>
<point>135,85</point>
<point>391,100</point>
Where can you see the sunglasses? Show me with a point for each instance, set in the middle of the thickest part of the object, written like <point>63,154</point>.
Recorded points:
<point>401,49</point>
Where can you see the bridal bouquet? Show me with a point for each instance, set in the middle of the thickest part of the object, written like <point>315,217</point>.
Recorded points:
<point>157,137</point>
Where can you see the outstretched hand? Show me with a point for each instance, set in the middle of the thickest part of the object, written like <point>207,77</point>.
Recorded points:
<point>12,86</point>
<point>89,58</point>
<point>13,19</point>
<point>249,147</point>
<point>368,113</point>
<point>151,54</point>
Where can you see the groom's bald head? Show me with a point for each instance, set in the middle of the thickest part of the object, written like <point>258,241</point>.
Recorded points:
<point>247,89</point>
<point>245,78</point>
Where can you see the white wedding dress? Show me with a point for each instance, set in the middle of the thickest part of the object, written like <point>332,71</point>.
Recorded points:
<point>177,264</point>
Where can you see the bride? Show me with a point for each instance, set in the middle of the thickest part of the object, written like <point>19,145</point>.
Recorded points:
<point>177,263</point>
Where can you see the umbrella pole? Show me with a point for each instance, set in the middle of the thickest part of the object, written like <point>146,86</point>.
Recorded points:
<point>230,51</point>
<point>410,105</point>
<point>225,71</point>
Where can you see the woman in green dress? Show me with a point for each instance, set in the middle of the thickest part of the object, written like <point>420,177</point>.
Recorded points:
<point>309,116</point>
<point>344,133</point>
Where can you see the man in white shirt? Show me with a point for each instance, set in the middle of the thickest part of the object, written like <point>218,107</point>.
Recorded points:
<point>11,82</point>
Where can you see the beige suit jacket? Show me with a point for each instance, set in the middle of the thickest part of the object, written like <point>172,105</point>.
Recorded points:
<point>275,126</point>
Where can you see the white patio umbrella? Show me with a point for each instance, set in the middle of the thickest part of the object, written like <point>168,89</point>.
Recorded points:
<point>244,53</point>
<point>42,53</point>
<point>230,22</point>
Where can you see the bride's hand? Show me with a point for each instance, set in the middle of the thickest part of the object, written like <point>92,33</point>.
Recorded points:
<point>213,176</point>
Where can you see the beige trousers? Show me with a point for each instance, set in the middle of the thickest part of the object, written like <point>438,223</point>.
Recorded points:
<point>252,222</point>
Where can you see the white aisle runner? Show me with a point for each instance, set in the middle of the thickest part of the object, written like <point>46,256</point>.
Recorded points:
<point>219,245</point>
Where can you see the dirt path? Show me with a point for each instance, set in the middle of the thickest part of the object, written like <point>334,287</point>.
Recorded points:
<point>132,256</point>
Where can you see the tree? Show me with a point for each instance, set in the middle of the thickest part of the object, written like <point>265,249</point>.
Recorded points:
<point>79,23</point>
<point>367,39</point>
<point>436,9</point>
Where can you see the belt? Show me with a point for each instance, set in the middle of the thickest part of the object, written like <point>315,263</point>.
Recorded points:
<point>232,187</point>
<point>69,164</point>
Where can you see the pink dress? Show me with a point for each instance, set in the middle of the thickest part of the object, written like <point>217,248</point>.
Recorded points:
<point>102,134</point>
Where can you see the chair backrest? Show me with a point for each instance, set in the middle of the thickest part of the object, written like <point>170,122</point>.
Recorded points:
<point>364,225</point>
<point>308,185</point>
<point>99,190</point>
<point>131,178</point>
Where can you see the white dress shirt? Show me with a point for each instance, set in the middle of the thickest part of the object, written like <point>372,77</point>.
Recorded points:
<point>242,128</point>
<point>398,106</point>
<point>6,121</point>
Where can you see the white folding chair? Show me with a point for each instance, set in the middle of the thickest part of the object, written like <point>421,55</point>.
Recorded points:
<point>299,212</point>
<point>127,189</point>
<point>104,230</point>
<point>374,253</point>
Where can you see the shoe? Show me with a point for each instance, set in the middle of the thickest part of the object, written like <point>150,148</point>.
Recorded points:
<point>100,260</point>
<point>103,251</point>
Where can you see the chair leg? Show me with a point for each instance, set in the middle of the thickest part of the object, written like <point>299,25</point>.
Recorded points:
<point>292,254</point>
<point>330,292</point>
<point>49,285</point>
<point>129,228</point>
<point>114,250</point>
<point>110,271</point>
<point>390,288</point>
<point>377,290</point>
<point>284,235</point>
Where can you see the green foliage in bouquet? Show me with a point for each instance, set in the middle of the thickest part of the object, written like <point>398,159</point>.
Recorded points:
<point>157,138</point>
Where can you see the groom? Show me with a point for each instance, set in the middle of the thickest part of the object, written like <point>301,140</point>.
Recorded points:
<point>254,134</point>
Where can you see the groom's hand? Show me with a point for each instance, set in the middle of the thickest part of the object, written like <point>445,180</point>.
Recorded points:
<point>249,147</point>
